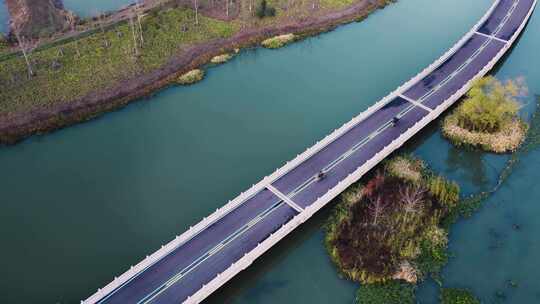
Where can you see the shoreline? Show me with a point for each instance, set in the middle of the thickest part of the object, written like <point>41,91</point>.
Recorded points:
<point>16,127</point>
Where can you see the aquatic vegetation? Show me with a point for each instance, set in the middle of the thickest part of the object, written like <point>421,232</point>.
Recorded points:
<point>457,296</point>
<point>393,292</point>
<point>446,192</point>
<point>191,77</point>
<point>488,117</point>
<point>531,141</point>
<point>278,41</point>
<point>390,228</point>
<point>221,58</point>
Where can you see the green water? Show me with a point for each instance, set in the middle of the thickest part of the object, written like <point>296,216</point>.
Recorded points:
<point>79,206</point>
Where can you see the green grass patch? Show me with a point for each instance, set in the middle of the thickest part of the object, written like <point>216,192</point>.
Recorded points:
<point>101,60</point>
<point>457,296</point>
<point>387,293</point>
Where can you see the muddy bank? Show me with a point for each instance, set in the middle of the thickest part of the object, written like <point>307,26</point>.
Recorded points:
<point>16,127</point>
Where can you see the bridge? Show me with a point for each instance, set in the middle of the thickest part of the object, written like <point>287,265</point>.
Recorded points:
<point>196,263</point>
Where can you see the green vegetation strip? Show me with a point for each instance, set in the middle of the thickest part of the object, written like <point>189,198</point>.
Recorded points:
<point>386,293</point>
<point>99,61</point>
<point>457,296</point>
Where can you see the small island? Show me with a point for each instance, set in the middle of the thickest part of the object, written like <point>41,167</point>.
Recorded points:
<point>191,77</point>
<point>488,117</point>
<point>390,233</point>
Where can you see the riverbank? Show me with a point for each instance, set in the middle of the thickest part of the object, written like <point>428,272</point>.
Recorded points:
<point>41,116</point>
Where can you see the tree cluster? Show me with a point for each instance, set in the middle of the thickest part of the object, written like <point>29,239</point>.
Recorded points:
<point>392,226</point>
<point>490,105</point>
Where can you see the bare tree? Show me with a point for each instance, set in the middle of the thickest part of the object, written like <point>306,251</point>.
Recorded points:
<point>412,199</point>
<point>26,47</point>
<point>135,44</point>
<point>227,7</point>
<point>196,8</point>
<point>376,207</point>
<point>73,25</point>
<point>138,10</point>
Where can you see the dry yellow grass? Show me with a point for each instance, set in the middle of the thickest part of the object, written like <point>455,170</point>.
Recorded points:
<point>221,58</point>
<point>278,41</point>
<point>404,168</point>
<point>191,77</point>
<point>508,139</point>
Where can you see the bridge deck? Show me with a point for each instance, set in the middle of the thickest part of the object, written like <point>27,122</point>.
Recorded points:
<point>189,270</point>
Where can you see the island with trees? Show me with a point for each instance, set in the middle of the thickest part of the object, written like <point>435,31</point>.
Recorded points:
<point>392,232</point>
<point>488,118</point>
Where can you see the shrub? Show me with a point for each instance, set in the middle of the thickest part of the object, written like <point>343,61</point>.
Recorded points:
<point>221,58</point>
<point>278,41</point>
<point>191,77</point>
<point>446,192</point>
<point>457,296</point>
<point>264,10</point>
<point>4,44</point>
<point>387,293</point>
<point>490,105</point>
<point>406,168</point>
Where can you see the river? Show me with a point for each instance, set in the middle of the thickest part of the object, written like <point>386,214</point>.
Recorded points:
<point>82,204</point>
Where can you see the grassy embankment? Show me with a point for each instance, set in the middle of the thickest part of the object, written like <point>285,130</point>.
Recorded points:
<point>488,117</point>
<point>77,68</point>
<point>101,60</point>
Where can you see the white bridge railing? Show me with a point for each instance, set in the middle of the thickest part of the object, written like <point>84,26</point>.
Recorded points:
<point>245,261</point>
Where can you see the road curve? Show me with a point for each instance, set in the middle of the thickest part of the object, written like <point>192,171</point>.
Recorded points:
<point>202,259</point>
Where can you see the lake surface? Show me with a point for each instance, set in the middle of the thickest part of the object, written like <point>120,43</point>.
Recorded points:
<point>82,204</point>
